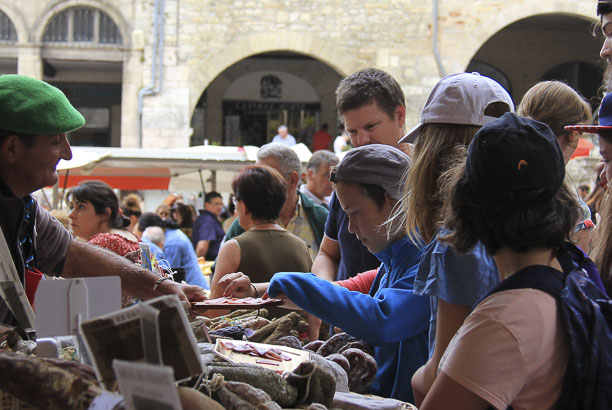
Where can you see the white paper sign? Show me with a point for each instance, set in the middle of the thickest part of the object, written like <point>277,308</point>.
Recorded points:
<point>147,387</point>
<point>12,290</point>
<point>61,304</point>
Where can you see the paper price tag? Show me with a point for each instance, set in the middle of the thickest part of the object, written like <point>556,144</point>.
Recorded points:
<point>147,387</point>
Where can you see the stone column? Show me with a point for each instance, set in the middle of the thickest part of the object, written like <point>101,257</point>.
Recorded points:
<point>29,61</point>
<point>132,82</point>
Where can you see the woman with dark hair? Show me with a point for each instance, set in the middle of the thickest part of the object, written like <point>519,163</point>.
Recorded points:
<point>509,195</point>
<point>183,217</point>
<point>266,247</point>
<point>95,218</point>
<point>131,207</point>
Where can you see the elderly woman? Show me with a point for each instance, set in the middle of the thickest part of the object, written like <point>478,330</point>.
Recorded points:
<point>266,247</point>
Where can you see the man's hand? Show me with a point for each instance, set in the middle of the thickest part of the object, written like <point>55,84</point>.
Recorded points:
<point>236,285</point>
<point>187,293</point>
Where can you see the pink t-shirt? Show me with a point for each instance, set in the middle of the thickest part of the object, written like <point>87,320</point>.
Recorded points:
<point>511,350</point>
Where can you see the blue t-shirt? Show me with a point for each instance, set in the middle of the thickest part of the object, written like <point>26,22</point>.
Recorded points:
<point>208,228</point>
<point>460,279</point>
<point>180,254</point>
<point>392,318</point>
<point>354,257</point>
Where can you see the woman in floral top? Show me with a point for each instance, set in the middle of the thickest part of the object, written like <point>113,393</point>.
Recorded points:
<point>95,217</point>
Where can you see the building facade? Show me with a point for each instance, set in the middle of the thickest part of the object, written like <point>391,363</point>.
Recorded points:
<point>174,73</point>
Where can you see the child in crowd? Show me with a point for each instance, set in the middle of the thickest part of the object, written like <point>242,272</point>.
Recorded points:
<point>512,349</point>
<point>391,317</point>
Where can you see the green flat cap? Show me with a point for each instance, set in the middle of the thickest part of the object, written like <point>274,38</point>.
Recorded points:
<point>31,106</point>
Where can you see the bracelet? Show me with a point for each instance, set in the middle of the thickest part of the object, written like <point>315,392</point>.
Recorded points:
<point>159,282</point>
<point>255,289</point>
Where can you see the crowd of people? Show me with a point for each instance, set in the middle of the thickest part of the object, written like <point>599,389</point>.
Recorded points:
<point>424,244</point>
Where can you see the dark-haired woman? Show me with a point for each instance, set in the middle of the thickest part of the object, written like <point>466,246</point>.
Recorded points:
<point>131,207</point>
<point>266,247</point>
<point>512,349</point>
<point>95,218</point>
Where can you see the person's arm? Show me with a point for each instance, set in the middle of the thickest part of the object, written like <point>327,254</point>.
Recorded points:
<point>450,317</point>
<point>228,261</point>
<point>395,314</point>
<point>360,283</point>
<point>326,263</point>
<point>202,248</point>
<point>448,394</point>
<point>85,260</point>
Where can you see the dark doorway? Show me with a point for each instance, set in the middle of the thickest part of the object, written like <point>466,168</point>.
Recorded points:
<point>253,128</point>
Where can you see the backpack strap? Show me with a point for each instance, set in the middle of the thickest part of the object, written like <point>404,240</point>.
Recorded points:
<point>538,277</point>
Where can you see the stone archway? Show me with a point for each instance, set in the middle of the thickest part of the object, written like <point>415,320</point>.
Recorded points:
<point>533,46</point>
<point>233,109</point>
<point>456,32</point>
<point>335,56</point>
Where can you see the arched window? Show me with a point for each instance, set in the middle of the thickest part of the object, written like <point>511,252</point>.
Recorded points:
<point>82,25</point>
<point>7,29</point>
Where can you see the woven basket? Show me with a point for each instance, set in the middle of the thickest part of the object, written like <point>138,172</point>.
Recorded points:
<point>10,402</point>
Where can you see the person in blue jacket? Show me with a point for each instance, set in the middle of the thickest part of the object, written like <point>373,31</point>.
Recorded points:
<point>391,317</point>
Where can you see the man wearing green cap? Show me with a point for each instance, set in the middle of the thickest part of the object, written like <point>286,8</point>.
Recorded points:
<point>34,120</point>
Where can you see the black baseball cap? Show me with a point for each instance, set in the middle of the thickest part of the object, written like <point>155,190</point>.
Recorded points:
<point>515,162</point>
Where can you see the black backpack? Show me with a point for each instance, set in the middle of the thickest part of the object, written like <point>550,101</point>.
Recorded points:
<point>587,316</point>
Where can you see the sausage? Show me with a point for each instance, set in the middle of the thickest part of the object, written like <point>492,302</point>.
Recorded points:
<point>341,360</point>
<point>334,343</point>
<point>268,380</point>
<point>290,341</point>
<point>283,329</point>
<point>55,387</point>
<point>363,370</point>
<point>359,344</point>
<point>314,345</point>
<point>251,394</point>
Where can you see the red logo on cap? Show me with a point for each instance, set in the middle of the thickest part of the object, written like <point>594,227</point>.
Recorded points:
<point>521,163</point>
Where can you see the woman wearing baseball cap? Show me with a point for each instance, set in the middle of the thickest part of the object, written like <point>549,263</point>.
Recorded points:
<point>456,108</point>
<point>512,349</point>
<point>602,236</point>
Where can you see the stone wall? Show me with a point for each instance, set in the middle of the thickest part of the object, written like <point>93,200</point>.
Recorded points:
<point>203,38</point>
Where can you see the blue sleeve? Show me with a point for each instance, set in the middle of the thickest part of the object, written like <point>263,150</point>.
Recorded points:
<point>460,279</point>
<point>393,314</point>
<point>193,273</point>
<point>331,223</point>
<point>172,255</point>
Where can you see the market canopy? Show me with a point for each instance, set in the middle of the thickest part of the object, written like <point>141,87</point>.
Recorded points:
<point>148,168</point>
